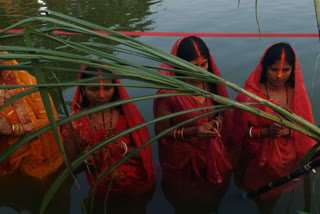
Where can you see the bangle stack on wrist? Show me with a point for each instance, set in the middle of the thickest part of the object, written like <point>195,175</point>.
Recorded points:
<point>218,123</point>
<point>178,134</point>
<point>255,133</point>
<point>17,129</point>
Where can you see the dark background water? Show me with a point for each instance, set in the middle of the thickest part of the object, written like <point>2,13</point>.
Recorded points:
<point>235,57</point>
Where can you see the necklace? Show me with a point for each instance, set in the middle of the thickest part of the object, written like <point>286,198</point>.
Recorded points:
<point>94,123</point>
<point>265,85</point>
<point>205,101</point>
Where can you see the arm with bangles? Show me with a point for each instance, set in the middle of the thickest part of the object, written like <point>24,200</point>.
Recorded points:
<point>209,129</point>
<point>73,150</point>
<point>14,129</point>
<point>274,130</point>
<point>127,149</point>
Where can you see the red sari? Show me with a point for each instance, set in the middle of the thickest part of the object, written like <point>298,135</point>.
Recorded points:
<point>206,160</point>
<point>268,159</point>
<point>131,178</point>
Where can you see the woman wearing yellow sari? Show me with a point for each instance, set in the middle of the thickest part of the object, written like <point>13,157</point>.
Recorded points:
<point>40,156</point>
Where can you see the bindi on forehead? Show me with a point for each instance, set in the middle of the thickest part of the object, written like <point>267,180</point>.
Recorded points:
<point>198,52</point>
<point>283,56</point>
<point>101,87</point>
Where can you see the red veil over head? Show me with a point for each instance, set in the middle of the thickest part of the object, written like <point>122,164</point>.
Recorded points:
<point>133,118</point>
<point>216,159</point>
<point>300,105</point>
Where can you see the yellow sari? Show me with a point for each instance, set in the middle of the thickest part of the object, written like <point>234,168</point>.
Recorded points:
<point>39,157</point>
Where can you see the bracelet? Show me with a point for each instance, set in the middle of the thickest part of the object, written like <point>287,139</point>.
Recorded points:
<point>17,129</point>
<point>178,134</point>
<point>291,133</point>
<point>255,133</point>
<point>13,127</point>
<point>182,137</point>
<point>125,147</point>
<point>250,132</point>
<point>219,122</point>
<point>20,129</point>
<point>216,123</point>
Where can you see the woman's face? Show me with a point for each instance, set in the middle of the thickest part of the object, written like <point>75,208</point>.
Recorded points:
<point>201,62</point>
<point>98,95</point>
<point>278,73</point>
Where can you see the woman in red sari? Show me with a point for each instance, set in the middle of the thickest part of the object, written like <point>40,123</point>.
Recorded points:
<point>268,150</point>
<point>194,158</point>
<point>134,177</point>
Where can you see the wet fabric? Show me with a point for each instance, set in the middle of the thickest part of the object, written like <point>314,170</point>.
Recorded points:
<point>267,159</point>
<point>206,160</point>
<point>39,157</point>
<point>131,178</point>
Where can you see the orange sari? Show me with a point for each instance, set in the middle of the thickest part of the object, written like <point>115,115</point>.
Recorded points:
<point>39,157</point>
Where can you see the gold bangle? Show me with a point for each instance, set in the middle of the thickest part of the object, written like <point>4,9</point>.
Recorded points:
<point>17,129</point>
<point>216,123</point>
<point>13,127</point>
<point>21,131</point>
<point>220,122</point>
<point>174,134</point>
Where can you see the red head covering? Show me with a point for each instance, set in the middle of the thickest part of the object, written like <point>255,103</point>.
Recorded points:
<point>214,161</point>
<point>133,117</point>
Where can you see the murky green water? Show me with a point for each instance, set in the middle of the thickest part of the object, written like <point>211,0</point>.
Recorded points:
<point>235,57</point>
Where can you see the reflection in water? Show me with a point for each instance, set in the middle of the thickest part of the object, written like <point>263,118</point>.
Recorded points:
<point>22,193</point>
<point>14,11</point>
<point>287,198</point>
<point>120,204</point>
<point>127,15</point>
<point>188,194</point>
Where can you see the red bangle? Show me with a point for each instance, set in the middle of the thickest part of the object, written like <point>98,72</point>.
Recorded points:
<point>291,133</point>
<point>255,133</point>
<point>178,134</point>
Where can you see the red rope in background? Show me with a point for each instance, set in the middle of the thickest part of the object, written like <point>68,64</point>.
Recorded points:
<point>182,34</point>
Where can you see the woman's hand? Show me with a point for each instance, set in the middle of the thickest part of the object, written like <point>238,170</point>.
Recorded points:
<point>207,130</point>
<point>285,132</point>
<point>5,127</point>
<point>274,130</point>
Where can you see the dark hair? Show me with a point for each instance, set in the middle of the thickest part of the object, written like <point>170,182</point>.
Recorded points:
<point>85,101</point>
<point>188,52</point>
<point>273,54</point>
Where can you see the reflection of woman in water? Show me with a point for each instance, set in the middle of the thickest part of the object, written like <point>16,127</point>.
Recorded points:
<point>26,174</point>
<point>135,177</point>
<point>194,160</point>
<point>269,150</point>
